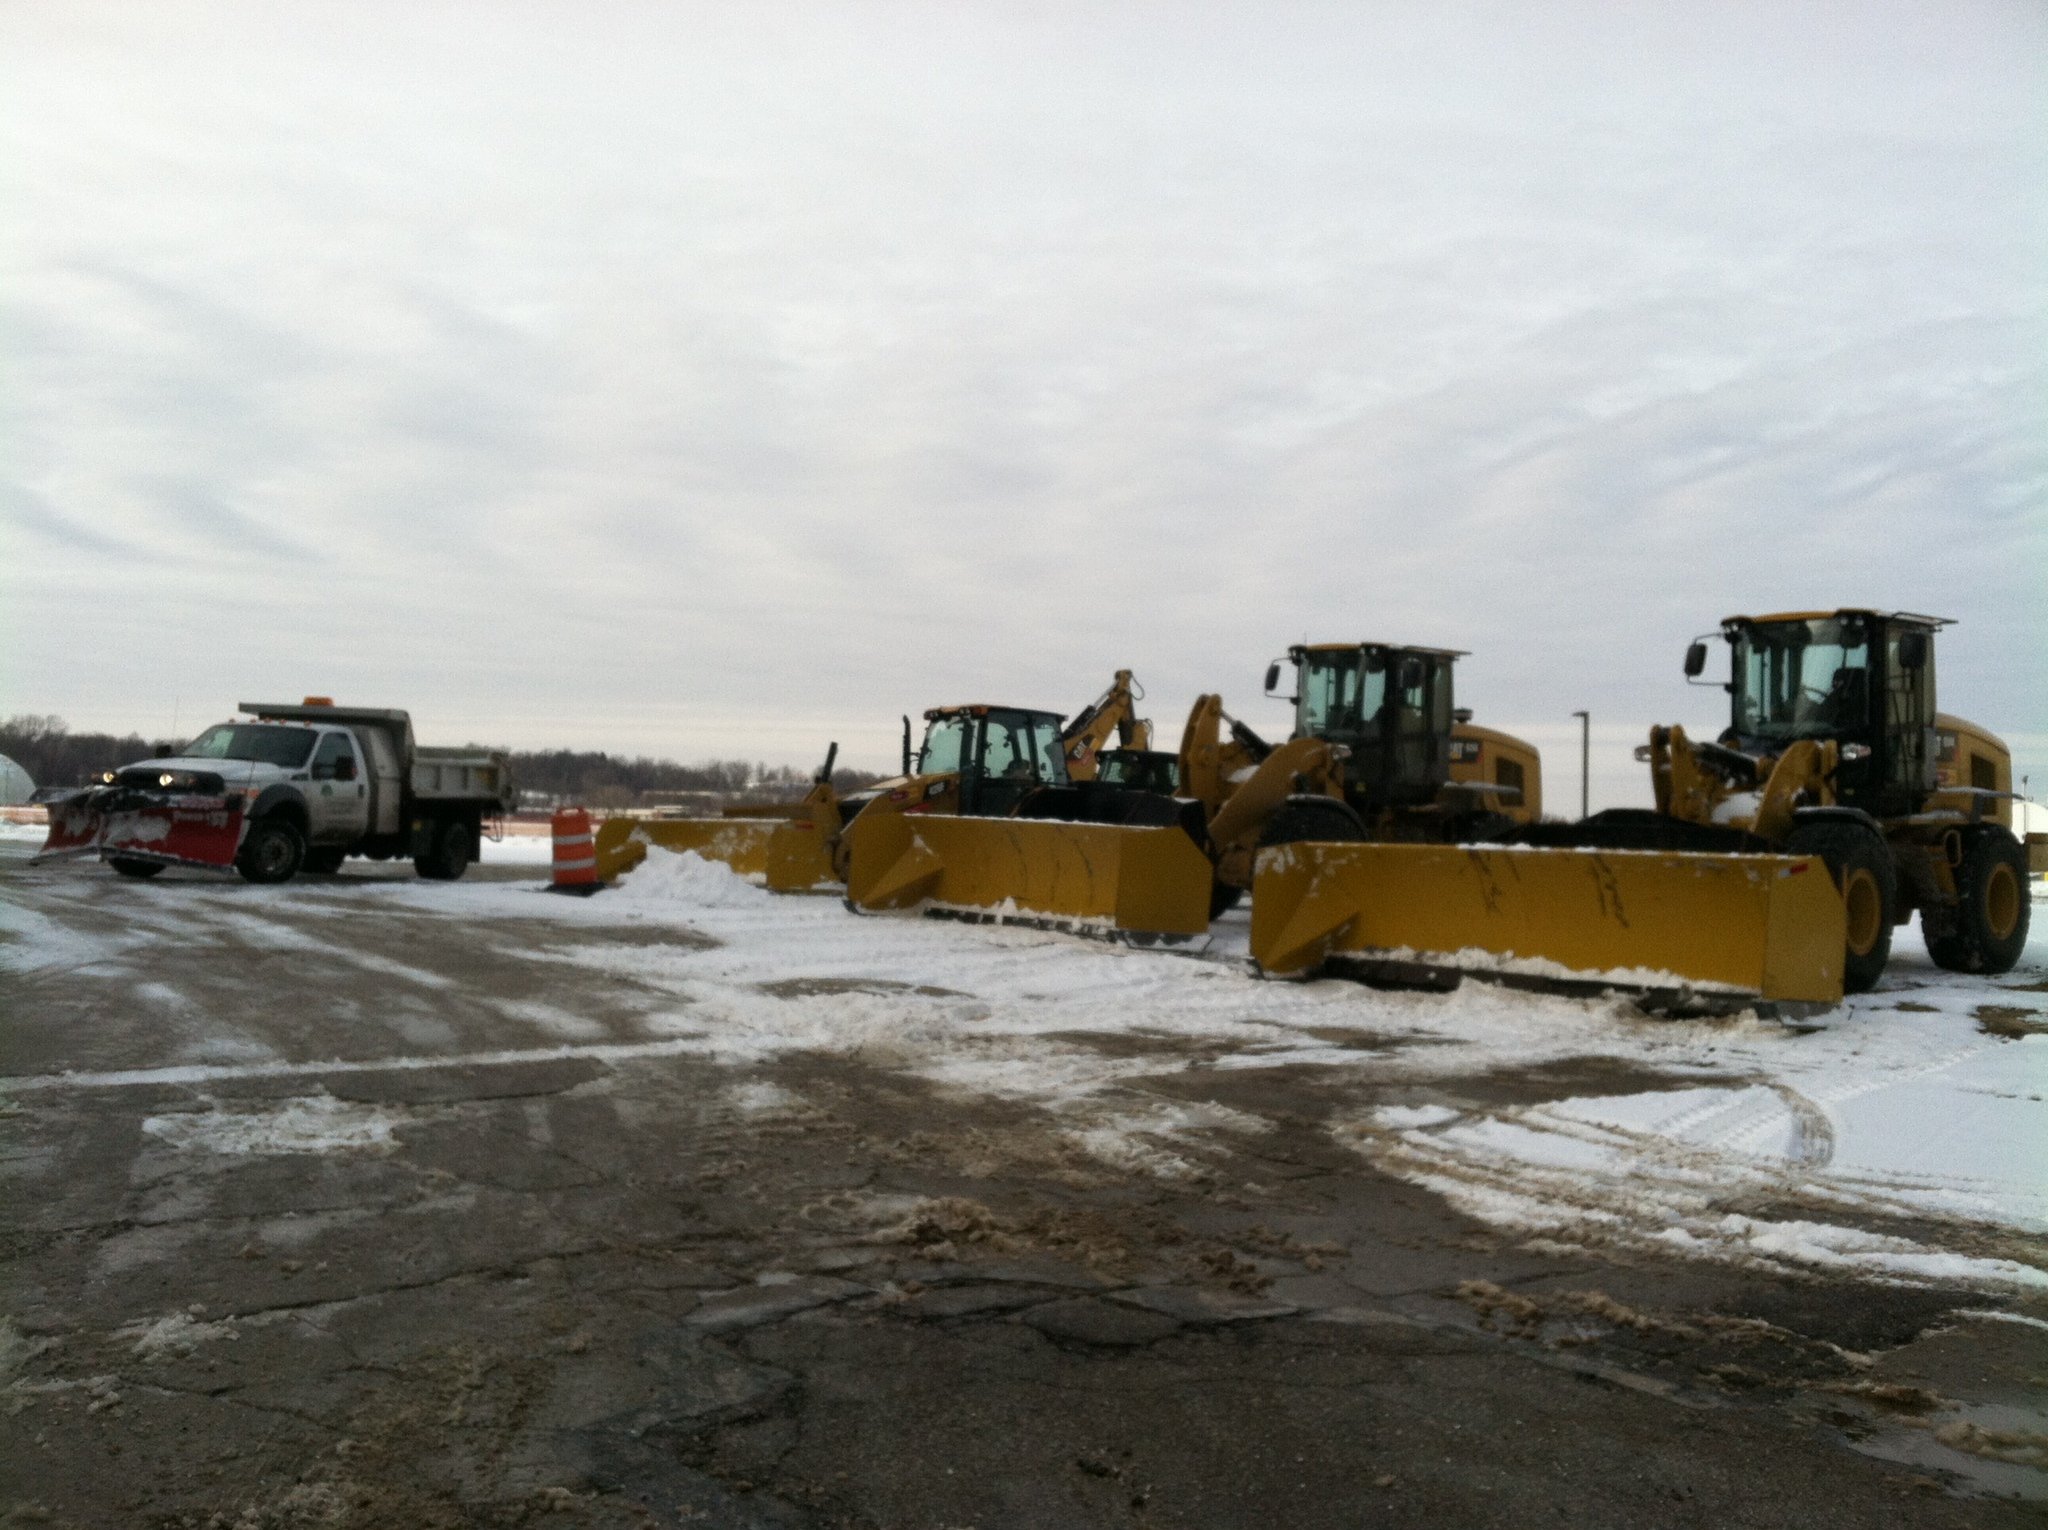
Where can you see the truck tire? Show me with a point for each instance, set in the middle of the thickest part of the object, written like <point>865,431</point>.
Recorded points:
<point>324,860</point>
<point>273,851</point>
<point>1993,909</point>
<point>453,849</point>
<point>1868,880</point>
<point>129,866</point>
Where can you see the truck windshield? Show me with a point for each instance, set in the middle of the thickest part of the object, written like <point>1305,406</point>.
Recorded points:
<point>1341,693</point>
<point>264,744</point>
<point>944,738</point>
<point>1805,679</point>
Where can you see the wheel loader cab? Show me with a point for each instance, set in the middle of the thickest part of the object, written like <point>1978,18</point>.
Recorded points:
<point>1390,707</point>
<point>1863,680</point>
<point>999,753</point>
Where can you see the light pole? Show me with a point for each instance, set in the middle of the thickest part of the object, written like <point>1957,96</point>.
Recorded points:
<point>1585,763</point>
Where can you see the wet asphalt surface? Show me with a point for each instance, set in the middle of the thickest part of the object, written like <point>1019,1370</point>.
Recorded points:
<point>640,1288</point>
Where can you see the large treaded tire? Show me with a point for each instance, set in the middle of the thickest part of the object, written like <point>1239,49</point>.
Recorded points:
<point>1994,906</point>
<point>272,852</point>
<point>1868,879</point>
<point>454,848</point>
<point>129,866</point>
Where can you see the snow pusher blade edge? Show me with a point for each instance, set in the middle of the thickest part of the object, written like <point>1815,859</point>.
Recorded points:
<point>1101,877</point>
<point>787,855</point>
<point>1753,925</point>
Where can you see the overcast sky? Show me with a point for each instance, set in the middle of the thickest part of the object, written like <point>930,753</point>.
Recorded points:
<point>716,381</point>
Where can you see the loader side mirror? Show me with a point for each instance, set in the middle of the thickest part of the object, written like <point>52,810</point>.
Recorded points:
<point>1695,661</point>
<point>1410,677</point>
<point>1273,677</point>
<point>1912,650</point>
<point>906,743</point>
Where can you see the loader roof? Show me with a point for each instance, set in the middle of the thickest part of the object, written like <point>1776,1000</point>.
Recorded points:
<point>1443,653</point>
<point>1913,617</point>
<point>982,709</point>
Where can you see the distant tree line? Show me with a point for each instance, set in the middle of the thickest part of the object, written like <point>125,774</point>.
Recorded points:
<point>607,780</point>
<point>55,756</point>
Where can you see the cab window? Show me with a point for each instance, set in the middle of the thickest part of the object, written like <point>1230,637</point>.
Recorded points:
<point>943,737</point>
<point>332,750</point>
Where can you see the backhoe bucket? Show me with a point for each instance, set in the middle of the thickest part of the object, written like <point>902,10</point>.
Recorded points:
<point>175,829</point>
<point>1099,877</point>
<point>788,855</point>
<point>1768,927</point>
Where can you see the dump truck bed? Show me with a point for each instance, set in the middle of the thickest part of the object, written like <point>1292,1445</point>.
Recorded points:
<point>440,774</point>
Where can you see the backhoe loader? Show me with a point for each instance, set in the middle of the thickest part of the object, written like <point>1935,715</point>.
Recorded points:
<point>1834,749</point>
<point>974,760</point>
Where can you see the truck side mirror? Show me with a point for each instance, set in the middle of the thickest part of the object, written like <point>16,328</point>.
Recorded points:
<point>1912,650</point>
<point>1695,661</point>
<point>1273,677</point>
<point>345,768</point>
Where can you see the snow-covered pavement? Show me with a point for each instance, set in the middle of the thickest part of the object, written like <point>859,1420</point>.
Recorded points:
<point>1903,1137</point>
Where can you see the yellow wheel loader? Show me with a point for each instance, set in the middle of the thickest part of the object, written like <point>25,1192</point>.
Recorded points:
<point>1835,749</point>
<point>1379,752</point>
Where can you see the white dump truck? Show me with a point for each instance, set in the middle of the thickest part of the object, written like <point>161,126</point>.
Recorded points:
<point>286,789</point>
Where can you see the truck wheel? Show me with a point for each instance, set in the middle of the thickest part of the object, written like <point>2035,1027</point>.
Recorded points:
<point>1868,881</point>
<point>324,860</point>
<point>451,854</point>
<point>1993,908</point>
<point>129,866</point>
<point>273,852</point>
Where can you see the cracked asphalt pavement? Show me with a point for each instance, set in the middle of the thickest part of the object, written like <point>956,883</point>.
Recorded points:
<point>373,1264</point>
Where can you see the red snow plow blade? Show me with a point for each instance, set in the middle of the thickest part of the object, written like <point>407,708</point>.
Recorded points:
<point>173,828</point>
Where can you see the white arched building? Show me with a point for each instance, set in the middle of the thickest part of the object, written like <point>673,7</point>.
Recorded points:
<point>15,786</point>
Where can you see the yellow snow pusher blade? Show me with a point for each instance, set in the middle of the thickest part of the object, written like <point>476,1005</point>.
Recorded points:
<point>790,851</point>
<point>1689,930</point>
<point>788,855</point>
<point>1101,878</point>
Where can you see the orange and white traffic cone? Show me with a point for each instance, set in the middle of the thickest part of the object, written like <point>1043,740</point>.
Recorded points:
<point>575,853</point>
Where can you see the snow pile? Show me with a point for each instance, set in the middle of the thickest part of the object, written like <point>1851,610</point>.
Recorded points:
<point>310,1124</point>
<point>670,876</point>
